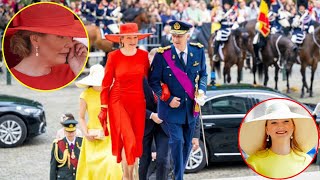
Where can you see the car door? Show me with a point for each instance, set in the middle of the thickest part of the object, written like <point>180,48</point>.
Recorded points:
<point>222,116</point>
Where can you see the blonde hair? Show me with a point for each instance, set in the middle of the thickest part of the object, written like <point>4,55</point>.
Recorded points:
<point>20,43</point>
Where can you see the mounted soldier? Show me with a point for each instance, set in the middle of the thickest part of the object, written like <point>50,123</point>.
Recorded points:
<point>228,20</point>
<point>88,10</point>
<point>106,13</point>
<point>263,30</point>
<point>302,23</point>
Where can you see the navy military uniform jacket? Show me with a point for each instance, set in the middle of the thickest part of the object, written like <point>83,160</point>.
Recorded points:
<point>64,172</point>
<point>161,72</point>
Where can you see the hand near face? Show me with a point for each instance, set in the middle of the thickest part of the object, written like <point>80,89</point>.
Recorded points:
<point>77,56</point>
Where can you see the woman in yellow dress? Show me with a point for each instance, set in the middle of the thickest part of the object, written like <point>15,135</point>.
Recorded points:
<point>277,142</point>
<point>96,160</point>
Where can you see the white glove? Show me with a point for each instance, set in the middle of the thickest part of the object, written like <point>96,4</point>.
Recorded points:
<point>115,12</point>
<point>200,99</point>
<point>311,29</point>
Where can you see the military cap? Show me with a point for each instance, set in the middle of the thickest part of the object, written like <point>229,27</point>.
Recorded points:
<point>179,27</point>
<point>302,3</point>
<point>70,125</point>
<point>230,2</point>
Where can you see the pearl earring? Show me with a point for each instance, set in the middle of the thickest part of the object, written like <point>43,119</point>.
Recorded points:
<point>268,138</point>
<point>37,51</point>
<point>291,137</point>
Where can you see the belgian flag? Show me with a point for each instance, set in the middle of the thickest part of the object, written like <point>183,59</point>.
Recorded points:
<point>264,24</point>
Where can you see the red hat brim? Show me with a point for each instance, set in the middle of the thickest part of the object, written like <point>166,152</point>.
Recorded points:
<point>116,37</point>
<point>74,30</point>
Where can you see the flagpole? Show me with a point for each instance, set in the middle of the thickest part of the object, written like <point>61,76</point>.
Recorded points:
<point>119,20</point>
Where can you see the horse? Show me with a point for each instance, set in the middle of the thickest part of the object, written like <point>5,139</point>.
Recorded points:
<point>140,17</point>
<point>95,33</point>
<point>280,52</point>
<point>95,38</point>
<point>236,42</point>
<point>249,26</point>
<point>309,56</point>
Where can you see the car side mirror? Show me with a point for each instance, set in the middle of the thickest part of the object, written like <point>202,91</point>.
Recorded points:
<point>316,110</point>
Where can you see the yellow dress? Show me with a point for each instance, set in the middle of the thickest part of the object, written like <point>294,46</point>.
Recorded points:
<point>96,161</point>
<point>272,165</point>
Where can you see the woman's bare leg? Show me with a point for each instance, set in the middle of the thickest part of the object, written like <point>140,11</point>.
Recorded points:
<point>127,169</point>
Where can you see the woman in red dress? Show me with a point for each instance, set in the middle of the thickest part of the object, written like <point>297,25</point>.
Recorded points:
<point>122,96</point>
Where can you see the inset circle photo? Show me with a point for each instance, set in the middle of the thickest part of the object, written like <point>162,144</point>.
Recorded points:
<point>45,46</point>
<point>278,138</point>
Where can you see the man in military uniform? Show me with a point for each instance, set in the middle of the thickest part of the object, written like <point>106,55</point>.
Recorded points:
<point>65,153</point>
<point>228,20</point>
<point>182,67</point>
<point>302,23</point>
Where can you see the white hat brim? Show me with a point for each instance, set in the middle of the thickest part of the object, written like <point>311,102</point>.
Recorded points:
<point>253,134</point>
<point>89,81</point>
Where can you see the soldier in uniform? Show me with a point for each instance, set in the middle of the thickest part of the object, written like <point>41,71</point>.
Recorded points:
<point>302,23</point>
<point>65,153</point>
<point>228,21</point>
<point>182,67</point>
<point>259,40</point>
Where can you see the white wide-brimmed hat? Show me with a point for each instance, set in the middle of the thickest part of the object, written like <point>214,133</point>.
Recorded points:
<point>253,131</point>
<point>94,78</point>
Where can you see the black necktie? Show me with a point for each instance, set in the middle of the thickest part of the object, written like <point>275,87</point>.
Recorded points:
<point>181,59</point>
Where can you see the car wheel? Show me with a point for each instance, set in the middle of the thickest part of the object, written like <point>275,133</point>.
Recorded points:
<point>13,131</point>
<point>197,159</point>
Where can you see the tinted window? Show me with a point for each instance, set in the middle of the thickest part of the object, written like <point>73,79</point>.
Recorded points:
<point>261,97</point>
<point>226,105</point>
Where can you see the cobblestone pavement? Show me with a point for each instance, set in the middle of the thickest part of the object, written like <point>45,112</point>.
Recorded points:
<point>31,161</point>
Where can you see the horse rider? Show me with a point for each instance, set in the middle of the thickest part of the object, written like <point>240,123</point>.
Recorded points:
<point>260,39</point>
<point>274,17</point>
<point>88,10</point>
<point>302,23</point>
<point>106,20</point>
<point>228,20</point>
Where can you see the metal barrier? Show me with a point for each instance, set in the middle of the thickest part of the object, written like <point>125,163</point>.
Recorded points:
<point>154,40</point>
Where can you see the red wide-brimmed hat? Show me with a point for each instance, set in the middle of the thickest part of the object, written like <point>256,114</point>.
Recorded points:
<point>47,18</point>
<point>128,29</point>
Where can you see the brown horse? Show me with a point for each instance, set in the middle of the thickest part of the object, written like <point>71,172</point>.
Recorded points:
<point>232,52</point>
<point>279,52</point>
<point>309,56</point>
<point>249,26</point>
<point>142,18</point>
<point>96,40</point>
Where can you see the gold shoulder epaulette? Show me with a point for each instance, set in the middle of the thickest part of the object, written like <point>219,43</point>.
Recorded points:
<point>56,140</point>
<point>162,49</point>
<point>197,44</point>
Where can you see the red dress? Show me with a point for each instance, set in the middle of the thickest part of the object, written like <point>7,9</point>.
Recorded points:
<point>122,91</point>
<point>59,76</point>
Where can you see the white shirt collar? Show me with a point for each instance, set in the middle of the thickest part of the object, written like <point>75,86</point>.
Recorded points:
<point>69,142</point>
<point>185,54</point>
<point>185,51</point>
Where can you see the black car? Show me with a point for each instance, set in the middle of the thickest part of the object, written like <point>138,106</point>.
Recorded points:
<point>20,119</point>
<point>222,114</point>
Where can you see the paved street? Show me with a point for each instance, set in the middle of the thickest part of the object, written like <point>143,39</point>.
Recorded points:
<point>31,161</point>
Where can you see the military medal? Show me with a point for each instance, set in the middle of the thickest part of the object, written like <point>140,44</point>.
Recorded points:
<point>72,154</point>
<point>72,151</point>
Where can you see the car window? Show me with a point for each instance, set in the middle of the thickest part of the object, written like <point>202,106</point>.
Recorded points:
<point>226,105</point>
<point>261,97</point>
